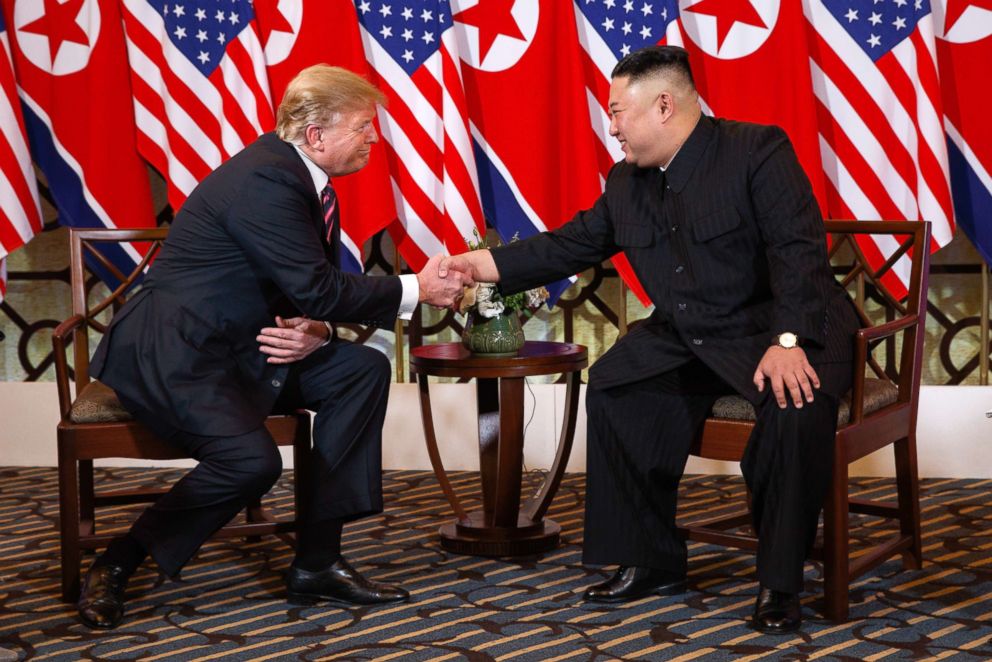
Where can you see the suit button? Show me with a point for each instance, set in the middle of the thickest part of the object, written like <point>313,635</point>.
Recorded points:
<point>675,228</point>
<point>679,269</point>
<point>681,306</point>
<point>276,383</point>
<point>697,341</point>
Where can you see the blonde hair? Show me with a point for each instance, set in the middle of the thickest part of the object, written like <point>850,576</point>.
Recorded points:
<point>317,94</point>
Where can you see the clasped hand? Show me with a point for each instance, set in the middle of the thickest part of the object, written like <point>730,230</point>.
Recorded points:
<point>292,339</point>
<point>787,369</point>
<point>439,290</point>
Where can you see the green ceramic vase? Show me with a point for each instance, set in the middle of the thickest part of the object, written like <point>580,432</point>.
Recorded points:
<point>493,336</point>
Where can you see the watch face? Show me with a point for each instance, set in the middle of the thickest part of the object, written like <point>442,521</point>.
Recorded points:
<point>788,340</point>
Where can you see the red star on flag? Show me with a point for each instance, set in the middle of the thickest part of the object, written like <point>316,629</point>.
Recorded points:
<point>58,23</point>
<point>275,22</point>
<point>957,7</point>
<point>727,13</point>
<point>492,18</point>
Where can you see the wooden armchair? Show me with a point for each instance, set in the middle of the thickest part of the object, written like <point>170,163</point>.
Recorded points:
<point>94,425</point>
<point>879,411</point>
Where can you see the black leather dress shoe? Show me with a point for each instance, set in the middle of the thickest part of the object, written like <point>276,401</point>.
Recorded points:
<point>101,602</point>
<point>632,582</point>
<point>776,612</point>
<point>339,583</point>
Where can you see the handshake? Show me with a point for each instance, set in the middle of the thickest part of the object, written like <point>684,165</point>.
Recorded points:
<point>443,279</point>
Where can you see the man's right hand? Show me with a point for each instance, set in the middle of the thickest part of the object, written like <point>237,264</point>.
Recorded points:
<point>441,291</point>
<point>478,264</point>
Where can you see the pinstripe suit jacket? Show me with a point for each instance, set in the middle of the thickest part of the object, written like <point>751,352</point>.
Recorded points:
<point>245,246</point>
<point>730,246</point>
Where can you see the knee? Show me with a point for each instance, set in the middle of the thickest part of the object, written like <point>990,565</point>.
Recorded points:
<point>259,469</point>
<point>376,367</point>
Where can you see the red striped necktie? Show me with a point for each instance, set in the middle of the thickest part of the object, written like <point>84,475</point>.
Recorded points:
<point>329,203</point>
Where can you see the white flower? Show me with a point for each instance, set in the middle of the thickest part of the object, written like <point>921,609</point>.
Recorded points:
<point>484,302</point>
<point>536,297</point>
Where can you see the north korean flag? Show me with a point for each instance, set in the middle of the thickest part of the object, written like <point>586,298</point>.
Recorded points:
<point>749,60</point>
<point>964,52</point>
<point>537,167</point>
<point>71,64</point>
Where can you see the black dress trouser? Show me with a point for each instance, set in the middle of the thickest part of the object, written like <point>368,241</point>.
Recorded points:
<point>347,385</point>
<point>639,436</point>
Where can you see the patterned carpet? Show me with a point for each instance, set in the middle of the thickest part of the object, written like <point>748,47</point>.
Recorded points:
<point>229,604</point>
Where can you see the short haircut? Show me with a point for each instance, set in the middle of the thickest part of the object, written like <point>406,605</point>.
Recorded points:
<point>317,94</point>
<point>669,60</point>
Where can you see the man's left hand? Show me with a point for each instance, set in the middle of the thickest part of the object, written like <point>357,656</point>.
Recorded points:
<point>787,369</point>
<point>291,339</point>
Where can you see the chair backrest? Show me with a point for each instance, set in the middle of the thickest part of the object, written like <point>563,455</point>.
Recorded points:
<point>896,289</point>
<point>85,243</point>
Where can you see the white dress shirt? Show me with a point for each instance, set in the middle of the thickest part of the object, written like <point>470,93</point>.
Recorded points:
<point>411,288</point>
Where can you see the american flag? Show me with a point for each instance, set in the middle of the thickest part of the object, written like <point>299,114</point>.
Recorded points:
<point>412,52</point>
<point>881,138</point>
<point>608,31</point>
<point>199,83</point>
<point>20,214</point>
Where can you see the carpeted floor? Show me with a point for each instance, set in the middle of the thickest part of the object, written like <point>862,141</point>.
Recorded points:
<point>230,602</point>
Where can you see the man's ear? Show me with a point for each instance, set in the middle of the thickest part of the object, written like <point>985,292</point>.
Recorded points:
<point>312,134</point>
<point>666,105</point>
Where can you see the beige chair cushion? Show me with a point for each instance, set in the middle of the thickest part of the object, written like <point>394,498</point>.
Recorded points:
<point>98,403</point>
<point>878,393</point>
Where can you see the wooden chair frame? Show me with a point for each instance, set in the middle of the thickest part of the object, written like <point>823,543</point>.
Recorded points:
<point>79,444</point>
<point>893,424</point>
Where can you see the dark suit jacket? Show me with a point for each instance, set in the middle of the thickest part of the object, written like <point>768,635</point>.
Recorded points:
<point>246,246</point>
<point>728,243</point>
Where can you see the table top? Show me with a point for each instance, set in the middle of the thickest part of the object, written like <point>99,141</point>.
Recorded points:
<point>534,358</point>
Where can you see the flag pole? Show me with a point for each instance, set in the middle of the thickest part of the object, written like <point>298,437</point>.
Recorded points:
<point>983,335</point>
<point>398,327</point>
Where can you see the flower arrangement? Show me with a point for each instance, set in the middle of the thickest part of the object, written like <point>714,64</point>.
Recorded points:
<point>487,301</point>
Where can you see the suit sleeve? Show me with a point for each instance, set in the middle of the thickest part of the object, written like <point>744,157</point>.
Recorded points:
<point>789,220</point>
<point>547,257</point>
<point>270,220</point>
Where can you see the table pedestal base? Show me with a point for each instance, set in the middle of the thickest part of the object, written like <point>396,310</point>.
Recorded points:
<point>474,537</point>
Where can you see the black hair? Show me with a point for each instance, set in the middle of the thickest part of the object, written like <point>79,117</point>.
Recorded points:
<point>655,59</point>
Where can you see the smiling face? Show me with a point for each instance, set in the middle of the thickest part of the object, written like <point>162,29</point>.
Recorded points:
<point>344,146</point>
<point>639,113</point>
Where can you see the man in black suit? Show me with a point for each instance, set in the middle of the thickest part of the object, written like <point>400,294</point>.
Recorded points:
<point>721,226</point>
<point>233,322</point>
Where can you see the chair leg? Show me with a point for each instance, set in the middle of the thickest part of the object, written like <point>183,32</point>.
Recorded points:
<point>836,544</point>
<point>908,489</point>
<point>301,475</point>
<point>254,513</point>
<point>87,498</point>
<point>69,523</point>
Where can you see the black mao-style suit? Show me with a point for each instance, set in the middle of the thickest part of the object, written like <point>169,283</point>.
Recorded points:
<point>729,244</point>
<point>182,354</point>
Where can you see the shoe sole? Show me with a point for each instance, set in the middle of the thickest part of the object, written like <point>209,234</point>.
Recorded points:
<point>779,631</point>
<point>309,599</point>
<point>665,591</point>
<point>93,625</point>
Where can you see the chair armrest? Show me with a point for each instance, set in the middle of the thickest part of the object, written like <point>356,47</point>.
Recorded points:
<point>887,329</point>
<point>60,337</point>
<point>863,337</point>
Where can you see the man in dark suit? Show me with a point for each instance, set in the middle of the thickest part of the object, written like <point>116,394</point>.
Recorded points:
<point>233,322</point>
<point>720,224</point>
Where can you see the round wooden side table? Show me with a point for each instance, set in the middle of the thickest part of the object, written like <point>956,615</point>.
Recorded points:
<point>502,527</point>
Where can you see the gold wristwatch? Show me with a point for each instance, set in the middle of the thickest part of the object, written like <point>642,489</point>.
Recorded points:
<point>788,340</point>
